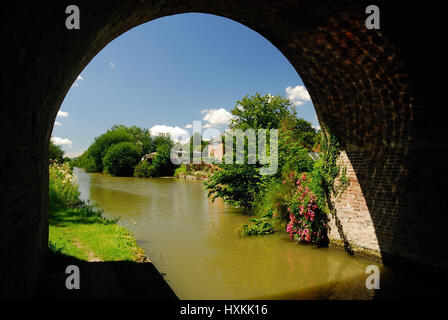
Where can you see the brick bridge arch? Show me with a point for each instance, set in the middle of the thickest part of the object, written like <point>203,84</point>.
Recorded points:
<point>374,88</point>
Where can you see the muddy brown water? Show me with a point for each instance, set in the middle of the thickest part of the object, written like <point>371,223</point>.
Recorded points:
<point>191,240</point>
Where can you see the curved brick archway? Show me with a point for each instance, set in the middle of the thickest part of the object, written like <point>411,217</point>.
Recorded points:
<point>374,88</point>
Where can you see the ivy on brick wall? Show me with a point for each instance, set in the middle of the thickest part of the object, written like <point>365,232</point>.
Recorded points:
<point>329,177</point>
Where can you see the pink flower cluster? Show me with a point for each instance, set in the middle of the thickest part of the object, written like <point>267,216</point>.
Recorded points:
<point>302,215</point>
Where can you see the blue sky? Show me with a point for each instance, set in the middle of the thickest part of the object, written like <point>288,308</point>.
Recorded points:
<point>167,73</point>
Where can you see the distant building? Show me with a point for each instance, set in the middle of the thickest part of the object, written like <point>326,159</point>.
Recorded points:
<point>149,157</point>
<point>216,148</point>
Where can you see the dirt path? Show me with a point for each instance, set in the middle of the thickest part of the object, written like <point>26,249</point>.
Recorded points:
<point>90,255</point>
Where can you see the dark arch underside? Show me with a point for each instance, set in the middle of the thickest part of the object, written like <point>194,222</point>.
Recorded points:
<point>376,89</point>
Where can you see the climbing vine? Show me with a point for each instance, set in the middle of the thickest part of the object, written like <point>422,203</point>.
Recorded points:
<point>330,168</point>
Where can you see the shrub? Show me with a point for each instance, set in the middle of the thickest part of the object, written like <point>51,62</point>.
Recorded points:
<point>121,159</point>
<point>63,188</point>
<point>65,197</point>
<point>307,222</point>
<point>182,170</point>
<point>98,150</point>
<point>237,184</point>
<point>55,152</point>
<point>275,198</point>
<point>162,161</point>
<point>264,225</point>
<point>144,170</point>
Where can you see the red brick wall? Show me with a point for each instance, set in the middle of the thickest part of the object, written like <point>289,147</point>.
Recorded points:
<point>351,222</point>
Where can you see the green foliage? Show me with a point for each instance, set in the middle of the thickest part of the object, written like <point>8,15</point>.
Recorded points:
<point>261,226</point>
<point>161,140</point>
<point>65,196</point>
<point>162,161</point>
<point>85,161</point>
<point>301,190</point>
<point>242,184</point>
<point>237,184</point>
<point>182,170</point>
<point>344,181</point>
<point>144,170</point>
<point>78,229</point>
<point>56,153</point>
<point>98,150</point>
<point>63,189</point>
<point>161,164</point>
<point>274,199</point>
<point>264,112</point>
<point>141,137</point>
<point>292,154</point>
<point>121,159</point>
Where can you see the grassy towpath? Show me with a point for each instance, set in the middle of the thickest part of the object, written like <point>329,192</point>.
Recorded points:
<point>111,263</point>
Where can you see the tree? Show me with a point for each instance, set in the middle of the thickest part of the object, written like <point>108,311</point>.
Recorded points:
<point>241,184</point>
<point>121,159</point>
<point>236,184</point>
<point>55,152</point>
<point>293,151</point>
<point>142,137</point>
<point>260,112</point>
<point>162,165</point>
<point>161,139</point>
<point>97,151</point>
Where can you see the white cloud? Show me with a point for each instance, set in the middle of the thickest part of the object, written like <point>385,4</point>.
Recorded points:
<point>216,117</point>
<point>177,133</point>
<point>80,78</point>
<point>62,114</point>
<point>207,125</point>
<point>75,84</point>
<point>61,141</point>
<point>111,65</point>
<point>317,127</point>
<point>57,124</point>
<point>74,154</point>
<point>297,95</point>
<point>189,126</point>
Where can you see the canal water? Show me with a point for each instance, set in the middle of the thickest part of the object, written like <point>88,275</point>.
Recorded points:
<point>191,241</point>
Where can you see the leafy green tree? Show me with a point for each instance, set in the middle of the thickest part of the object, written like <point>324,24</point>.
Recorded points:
<point>56,153</point>
<point>85,161</point>
<point>293,152</point>
<point>121,159</point>
<point>142,137</point>
<point>242,184</point>
<point>162,165</point>
<point>161,139</point>
<point>260,112</point>
<point>144,170</point>
<point>97,151</point>
<point>237,184</point>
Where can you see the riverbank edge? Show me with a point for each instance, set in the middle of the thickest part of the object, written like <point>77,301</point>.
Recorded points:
<point>103,276</point>
<point>192,177</point>
<point>355,250</point>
